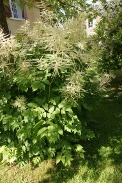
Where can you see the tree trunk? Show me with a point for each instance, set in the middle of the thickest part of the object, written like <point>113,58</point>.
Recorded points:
<point>3,21</point>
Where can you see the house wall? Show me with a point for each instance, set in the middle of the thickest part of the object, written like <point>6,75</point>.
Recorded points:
<point>90,30</point>
<point>33,14</point>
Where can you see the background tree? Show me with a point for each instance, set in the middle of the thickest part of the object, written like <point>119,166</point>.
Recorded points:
<point>108,38</point>
<point>3,22</point>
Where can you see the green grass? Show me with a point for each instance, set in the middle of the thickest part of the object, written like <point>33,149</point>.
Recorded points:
<point>103,154</point>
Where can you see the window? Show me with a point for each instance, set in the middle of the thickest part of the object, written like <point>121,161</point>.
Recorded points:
<point>16,11</point>
<point>90,23</point>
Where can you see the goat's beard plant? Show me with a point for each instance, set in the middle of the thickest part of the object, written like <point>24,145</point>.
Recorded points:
<point>46,81</point>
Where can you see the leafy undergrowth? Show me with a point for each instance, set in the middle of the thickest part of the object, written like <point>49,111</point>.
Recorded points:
<point>103,155</point>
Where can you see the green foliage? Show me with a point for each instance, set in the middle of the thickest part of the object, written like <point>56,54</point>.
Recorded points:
<point>7,154</point>
<point>47,82</point>
<point>108,38</point>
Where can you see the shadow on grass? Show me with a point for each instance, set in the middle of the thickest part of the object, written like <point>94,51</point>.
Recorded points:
<point>103,154</point>
<point>59,173</point>
<point>106,148</point>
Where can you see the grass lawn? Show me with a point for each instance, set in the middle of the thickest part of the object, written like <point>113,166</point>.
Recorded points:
<point>103,154</point>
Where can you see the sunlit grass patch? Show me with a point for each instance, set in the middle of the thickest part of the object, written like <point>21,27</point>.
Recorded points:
<point>25,174</point>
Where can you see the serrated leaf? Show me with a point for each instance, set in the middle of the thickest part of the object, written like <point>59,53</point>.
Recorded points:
<point>52,137</point>
<point>63,159</point>
<point>48,115</point>
<point>57,111</point>
<point>81,155</point>
<point>51,128</point>
<point>24,148</point>
<point>61,105</point>
<point>51,109</point>
<point>67,162</point>
<point>52,101</point>
<point>52,116</point>
<point>44,114</point>
<point>69,110</point>
<point>58,158</point>
<point>63,111</point>
<point>60,131</point>
<point>66,128</point>
<point>32,104</point>
<point>39,110</point>
<point>45,107</point>
<point>57,99</point>
<point>42,86</point>
<point>34,141</point>
<point>40,101</point>
<point>35,85</point>
<point>24,88</point>
<point>46,81</point>
<point>79,148</point>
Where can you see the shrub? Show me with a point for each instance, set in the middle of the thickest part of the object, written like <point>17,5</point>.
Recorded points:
<point>47,81</point>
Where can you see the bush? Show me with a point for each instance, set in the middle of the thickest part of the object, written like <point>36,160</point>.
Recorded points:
<point>47,81</point>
